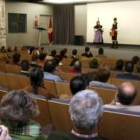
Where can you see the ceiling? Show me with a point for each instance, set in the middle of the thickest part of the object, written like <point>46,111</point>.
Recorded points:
<point>67,1</point>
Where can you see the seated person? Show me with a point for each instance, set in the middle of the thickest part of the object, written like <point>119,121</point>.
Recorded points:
<point>49,68</point>
<point>101,53</point>
<point>62,55</point>
<point>3,55</point>
<point>74,54</point>
<point>52,55</point>
<point>85,110</point>
<point>103,75</point>
<point>94,63</point>
<point>87,53</point>
<point>4,133</point>
<point>77,84</point>
<point>25,68</point>
<point>16,59</point>
<point>135,60</point>
<point>37,84</point>
<point>77,67</point>
<point>16,109</point>
<point>138,66</point>
<point>119,65</point>
<point>129,66</point>
<point>42,57</point>
<point>125,95</point>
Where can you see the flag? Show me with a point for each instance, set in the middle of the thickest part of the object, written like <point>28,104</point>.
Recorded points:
<point>36,23</point>
<point>50,32</point>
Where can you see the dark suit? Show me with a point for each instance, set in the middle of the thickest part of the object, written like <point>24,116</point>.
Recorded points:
<point>128,76</point>
<point>67,136</point>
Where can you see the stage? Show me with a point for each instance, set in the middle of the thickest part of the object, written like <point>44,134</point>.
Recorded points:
<point>122,52</point>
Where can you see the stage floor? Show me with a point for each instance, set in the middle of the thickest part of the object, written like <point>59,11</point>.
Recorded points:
<point>125,53</point>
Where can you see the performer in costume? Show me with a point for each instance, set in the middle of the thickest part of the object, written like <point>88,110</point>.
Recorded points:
<point>98,39</point>
<point>114,34</point>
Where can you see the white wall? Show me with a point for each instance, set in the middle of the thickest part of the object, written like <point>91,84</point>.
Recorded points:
<point>31,9</point>
<point>127,14</point>
<point>81,20</point>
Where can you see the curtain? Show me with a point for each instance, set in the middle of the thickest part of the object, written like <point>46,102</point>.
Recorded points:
<point>63,24</point>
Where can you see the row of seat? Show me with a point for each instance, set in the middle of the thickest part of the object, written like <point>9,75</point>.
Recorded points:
<point>112,125</point>
<point>15,81</point>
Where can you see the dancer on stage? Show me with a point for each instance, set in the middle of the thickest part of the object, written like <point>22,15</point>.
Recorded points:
<point>98,39</point>
<point>114,34</point>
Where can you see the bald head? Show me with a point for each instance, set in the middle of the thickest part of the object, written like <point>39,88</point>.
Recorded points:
<point>77,66</point>
<point>126,93</point>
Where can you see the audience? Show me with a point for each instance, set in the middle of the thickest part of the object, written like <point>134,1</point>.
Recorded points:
<point>62,55</point>
<point>135,60</point>
<point>16,59</point>
<point>16,109</point>
<point>3,55</point>
<point>74,54</point>
<point>53,53</point>
<point>77,84</point>
<point>94,63</point>
<point>77,67</point>
<point>103,75</point>
<point>85,111</point>
<point>87,53</point>
<point>101,53</point>
<point>125,95</point>
<point>129,66</point>
<point>25,68</point>
<point>34,61</point>
<point>37,84</point>
<point>49,68</point>
<point>42,57</point>
<point>119,65</point>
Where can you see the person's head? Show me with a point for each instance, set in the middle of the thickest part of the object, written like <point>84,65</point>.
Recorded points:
<point>34,58</point>
<point>63,53</point>
<point>126,93</point>
<point>74,52</point>
<point>49,66</point>
<point>103,74</point>
<point>119,64</point>
<point>56,61</point>
<point>36,77</point>
<point>85,110</point>
<point>42,56</point>
<point>77,84</point>
<point>25,65</point>
<point>135,60</point>
<point>77,66</point>
<point>53,53</point>
<point>101,51</point>
<point>115,20</point>
<point>17,107</point>
<point>87,49</point>
<point>16,58</point>
<point>94,63</point>
<point>2,49</point>
<point>129,66</point>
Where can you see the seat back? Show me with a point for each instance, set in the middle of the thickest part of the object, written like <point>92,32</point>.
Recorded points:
<point>60,116</point>
<point>44,117</point>
<point>107,95</point>
<point>67,75</point>
<point>12,68</point>
<point>2,67</point>
<point>62,88</point>
<point>50,85</point>
<point>3,80</point>
<point>117,126</point>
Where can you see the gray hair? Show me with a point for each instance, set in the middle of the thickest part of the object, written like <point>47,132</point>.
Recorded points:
<point>86,108</point>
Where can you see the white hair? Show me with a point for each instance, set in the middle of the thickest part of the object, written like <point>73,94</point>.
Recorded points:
<point>86,108</point>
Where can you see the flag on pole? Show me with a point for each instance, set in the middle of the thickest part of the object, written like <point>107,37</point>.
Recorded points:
<point>36,23</point>
<point>50,32</point>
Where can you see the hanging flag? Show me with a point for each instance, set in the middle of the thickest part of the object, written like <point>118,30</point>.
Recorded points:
<point>50,32</point>
<point>36,23</point>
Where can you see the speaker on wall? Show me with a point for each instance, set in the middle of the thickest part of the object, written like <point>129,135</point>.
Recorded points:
<point>79,40</point>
